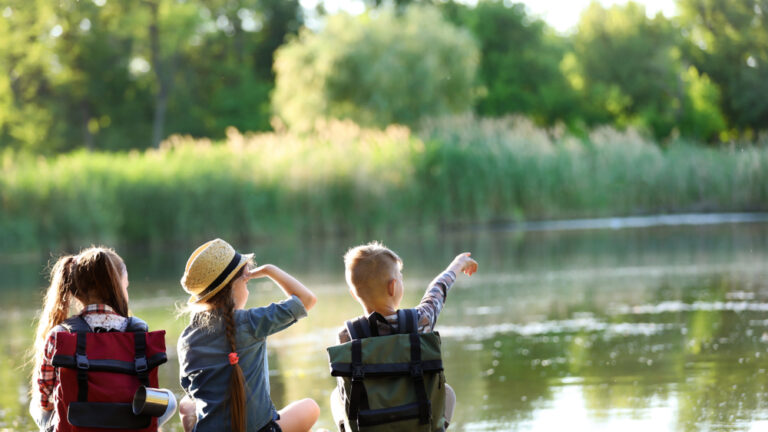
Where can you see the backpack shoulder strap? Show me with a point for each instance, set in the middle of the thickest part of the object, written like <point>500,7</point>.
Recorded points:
<point>359,328</point>
<point>79,326</point>
<point>373,323</point>
<point>407,321</point>
<point>136,325</point>
<point>76,324</point>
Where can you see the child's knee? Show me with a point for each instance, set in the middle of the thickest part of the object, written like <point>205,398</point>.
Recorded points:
<point>187,413</point>
<point>450,402</point>
<point>311,408</point>
<point>186,406</point>
<point>299,415</point>
<point>450,394</point>
<point>335,398</point>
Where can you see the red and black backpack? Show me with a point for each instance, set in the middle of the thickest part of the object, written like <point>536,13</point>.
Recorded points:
<point>99,373</point>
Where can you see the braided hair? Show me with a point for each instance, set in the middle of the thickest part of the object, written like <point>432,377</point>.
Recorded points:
<point>222,308</point>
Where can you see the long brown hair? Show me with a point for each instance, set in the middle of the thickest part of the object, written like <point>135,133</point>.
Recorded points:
<point>222,305</point>
<point>95,274</point>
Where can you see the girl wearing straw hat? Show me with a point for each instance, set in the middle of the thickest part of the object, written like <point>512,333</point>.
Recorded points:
<point>222,352</point>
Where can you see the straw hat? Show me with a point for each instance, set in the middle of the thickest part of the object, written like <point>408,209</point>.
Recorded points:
<point>210,268</point>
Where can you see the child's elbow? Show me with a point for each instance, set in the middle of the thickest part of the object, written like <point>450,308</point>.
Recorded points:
<point>310,301</point>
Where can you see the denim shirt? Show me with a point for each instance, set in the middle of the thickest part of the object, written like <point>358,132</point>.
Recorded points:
<point>205,370</point>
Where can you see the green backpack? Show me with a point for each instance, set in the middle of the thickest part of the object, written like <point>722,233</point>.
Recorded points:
<point>391,383</point>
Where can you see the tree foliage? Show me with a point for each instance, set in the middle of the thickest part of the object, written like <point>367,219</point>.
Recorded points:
<point>520,65</point>
<point>728,41</point>
<point>376,69</point>
<point>26,87</point>
<point>629,71</point>
<point>123,74</point>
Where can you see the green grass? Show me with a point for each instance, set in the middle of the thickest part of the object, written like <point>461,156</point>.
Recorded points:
<point>343,179</point>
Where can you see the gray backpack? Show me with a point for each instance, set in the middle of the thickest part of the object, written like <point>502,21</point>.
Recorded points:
<point>390,383</point>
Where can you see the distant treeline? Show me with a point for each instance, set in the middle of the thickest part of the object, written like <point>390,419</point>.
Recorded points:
<point>120,74</point>
<point>344,179</point>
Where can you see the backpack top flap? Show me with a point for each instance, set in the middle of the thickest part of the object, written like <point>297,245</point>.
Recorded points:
<point>109,352</point>
<point>387,355</point>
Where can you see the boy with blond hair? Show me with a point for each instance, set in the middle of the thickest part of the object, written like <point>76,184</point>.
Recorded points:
<point>374,275</point>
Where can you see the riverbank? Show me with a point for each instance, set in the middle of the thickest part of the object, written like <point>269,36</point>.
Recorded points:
<point>343,179</point>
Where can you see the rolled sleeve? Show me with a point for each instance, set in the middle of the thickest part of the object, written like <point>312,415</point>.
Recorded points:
<point>444,281</point>
<point>433,301</point>
<point>271,319</point>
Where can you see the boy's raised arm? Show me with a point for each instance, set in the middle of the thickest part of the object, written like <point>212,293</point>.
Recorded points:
<point>434,298</point>
<point>290,285</point>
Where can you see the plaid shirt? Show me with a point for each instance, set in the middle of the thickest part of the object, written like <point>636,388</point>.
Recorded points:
<point>96,315</point>
<point>428,309</point>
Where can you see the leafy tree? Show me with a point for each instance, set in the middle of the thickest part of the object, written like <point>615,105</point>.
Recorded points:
<point>101,101</point>
<point>629,71</point>
<point>125,74</point>
<point>376,69</point>
<point>227,75</point>
<point>628,67</point>
<point>702,117</point>
<point>520,65</point>
<point>280,18</point>
<point>25,75</point>
<point>729,42</point>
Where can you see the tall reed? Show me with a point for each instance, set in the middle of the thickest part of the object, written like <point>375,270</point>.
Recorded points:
<point>347,179</point>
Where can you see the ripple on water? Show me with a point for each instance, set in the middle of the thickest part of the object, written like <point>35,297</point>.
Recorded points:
<point>557,326</point>
<point>678,306</point>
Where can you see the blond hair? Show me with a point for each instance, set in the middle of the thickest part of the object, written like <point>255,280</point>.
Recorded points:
<point>369,268</point>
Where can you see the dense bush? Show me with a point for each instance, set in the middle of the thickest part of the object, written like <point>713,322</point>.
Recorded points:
<point>376,69</point>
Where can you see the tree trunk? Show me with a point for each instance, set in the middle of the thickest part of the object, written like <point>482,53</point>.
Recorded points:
<point>161,76</point>
<point>85,114</point>
<point>238,42</point>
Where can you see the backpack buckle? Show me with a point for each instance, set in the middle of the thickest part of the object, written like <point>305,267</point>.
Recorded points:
<point>141,364</point>
<point>358,373</point>
<point>82,361</point>
<point>416,370</point>
<point>429,413</point>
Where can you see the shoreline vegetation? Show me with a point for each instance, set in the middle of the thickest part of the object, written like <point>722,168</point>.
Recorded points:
<point>343,179</point>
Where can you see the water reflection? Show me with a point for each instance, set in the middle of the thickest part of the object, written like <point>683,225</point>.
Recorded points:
<point>670,365</point>
<point>641,329</point>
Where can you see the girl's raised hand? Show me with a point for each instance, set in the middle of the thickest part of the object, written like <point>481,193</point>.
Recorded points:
<point>286,282</point>
<point>258,272</point>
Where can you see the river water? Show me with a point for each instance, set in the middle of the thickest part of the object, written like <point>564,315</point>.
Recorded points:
<point>636,329</point>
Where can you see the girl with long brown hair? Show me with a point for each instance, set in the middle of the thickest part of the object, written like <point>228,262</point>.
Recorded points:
<point>222,352</point>
<point>96,280</point>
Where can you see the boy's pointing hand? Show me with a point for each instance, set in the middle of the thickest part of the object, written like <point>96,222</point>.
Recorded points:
<point>463,263</point>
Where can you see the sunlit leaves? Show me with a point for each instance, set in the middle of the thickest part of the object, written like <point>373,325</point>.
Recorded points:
<point>377,69</point>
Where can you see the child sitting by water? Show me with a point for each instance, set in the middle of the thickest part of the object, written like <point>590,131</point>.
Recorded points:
<point>222,352</point>
<point>96,279</point>
<point>374,275</point>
